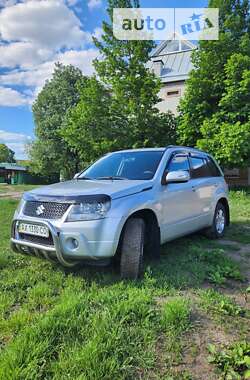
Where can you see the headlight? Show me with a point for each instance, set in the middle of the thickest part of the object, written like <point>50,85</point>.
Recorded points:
<point>88,211</point>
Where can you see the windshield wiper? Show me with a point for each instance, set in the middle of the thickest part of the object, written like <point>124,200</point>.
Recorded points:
<point>84,178</point>
<point>111,178</point>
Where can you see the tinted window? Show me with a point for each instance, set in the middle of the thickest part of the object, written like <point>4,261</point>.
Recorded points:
<point>130,165</point>
<point>178,162</point>
<point>199,167</point>
<point>214,171</point>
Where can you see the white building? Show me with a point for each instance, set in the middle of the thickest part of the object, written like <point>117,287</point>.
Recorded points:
<point>171,61</point>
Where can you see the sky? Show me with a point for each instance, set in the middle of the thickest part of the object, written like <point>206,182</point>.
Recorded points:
<point>34,34</point>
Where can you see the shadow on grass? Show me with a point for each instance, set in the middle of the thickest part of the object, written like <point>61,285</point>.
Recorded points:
<point>239,231</point>
<point>185,263</point>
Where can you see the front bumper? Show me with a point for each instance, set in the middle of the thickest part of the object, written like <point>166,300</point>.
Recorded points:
<point>61,248</point>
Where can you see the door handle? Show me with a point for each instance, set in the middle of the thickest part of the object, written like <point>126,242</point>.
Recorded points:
<point>193,188</point>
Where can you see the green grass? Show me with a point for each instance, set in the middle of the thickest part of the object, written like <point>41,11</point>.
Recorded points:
<point>88,325</point>
<point>16,188</point>
<point>240,215</point>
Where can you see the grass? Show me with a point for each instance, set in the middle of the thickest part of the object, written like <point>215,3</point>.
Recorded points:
<point>88,325</point>
<point>16,188</point>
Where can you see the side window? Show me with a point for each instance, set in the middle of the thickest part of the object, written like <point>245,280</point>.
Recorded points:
<point>178,162</point>
<point>214,171</point>
<point>199,167</point>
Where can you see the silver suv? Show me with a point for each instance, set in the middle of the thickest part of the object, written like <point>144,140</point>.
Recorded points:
<point>124,205</point>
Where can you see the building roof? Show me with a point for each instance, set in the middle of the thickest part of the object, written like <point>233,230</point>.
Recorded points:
<point>175,56</point>
<point>12,166</point>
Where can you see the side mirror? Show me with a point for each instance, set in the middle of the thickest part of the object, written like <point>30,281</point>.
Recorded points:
<point>76,175</point>
<point>177,176</point>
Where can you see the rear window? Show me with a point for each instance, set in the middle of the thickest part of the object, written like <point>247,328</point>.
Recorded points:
<point>204,167</point>
<point>199,167</point>
<point>214,170</point>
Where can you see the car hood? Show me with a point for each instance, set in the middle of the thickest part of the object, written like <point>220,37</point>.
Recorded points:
<point>76,189</point>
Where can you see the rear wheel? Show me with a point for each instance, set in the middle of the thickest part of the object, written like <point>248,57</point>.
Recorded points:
<point>131,263</point>
<point>217,229</point>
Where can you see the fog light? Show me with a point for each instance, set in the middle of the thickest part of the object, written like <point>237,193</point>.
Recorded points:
<point>72,243</point>
<point>75,243</point>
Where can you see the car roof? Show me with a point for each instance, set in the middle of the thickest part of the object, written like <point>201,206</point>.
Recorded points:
<point>163,149</point>
<point>142,150</point>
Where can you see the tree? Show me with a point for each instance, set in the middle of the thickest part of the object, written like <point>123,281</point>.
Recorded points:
<point>88,128</point>
<point>6,154</point>
<point>214,114</point>
<point>134,89</point>
<point>50,154</point>
<point>117,110</point>
<point>227,133</point>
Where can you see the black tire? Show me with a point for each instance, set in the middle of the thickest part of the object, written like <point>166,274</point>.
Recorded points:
<point>152,242</point>
<point>217,230</point>
<point>131,263</point>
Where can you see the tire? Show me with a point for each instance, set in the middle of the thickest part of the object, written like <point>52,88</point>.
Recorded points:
<point>152,242</point>
<point>217,230</point>
<point>131,263</point>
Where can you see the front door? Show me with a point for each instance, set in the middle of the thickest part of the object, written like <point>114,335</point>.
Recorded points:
<point>179,204</point>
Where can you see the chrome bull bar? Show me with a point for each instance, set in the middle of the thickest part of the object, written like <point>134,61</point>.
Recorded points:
<point>51,253</point>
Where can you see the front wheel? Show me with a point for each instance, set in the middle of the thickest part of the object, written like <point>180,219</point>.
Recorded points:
<point>217,230</point>
<point>131,263</point>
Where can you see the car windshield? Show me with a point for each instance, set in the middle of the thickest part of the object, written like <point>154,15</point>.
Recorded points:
<point>137,165</point>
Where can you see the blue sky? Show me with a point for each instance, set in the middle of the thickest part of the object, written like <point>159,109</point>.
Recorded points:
<point>33,35</point>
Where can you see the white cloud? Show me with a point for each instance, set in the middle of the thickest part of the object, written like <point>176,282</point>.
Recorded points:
<point>12,98</point>
<point>23,54</point>
<point>94,4</point>
<point>32,42</point>
<point>48,24</point>
<point>16,142</point>
<point>37,76</point>
<point>98,32</point>
<point>7,3</point>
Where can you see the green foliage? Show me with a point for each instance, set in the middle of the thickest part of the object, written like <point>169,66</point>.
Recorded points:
<point>119,113</point>
<point>217,303</point>
<point>220,267</point>
<point>49,152</point>
<point>233,361</point>
<point>176,315</point>
<point>88,128</point>
<point>214,114</point>
<point>6,154</point>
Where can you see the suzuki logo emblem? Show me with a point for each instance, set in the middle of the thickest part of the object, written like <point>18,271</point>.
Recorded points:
<point>40,210</point>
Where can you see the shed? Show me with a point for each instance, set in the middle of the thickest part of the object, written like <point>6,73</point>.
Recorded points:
<point>12,173</point>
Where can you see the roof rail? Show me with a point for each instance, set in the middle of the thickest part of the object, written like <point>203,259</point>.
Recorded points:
<point>184,147</point>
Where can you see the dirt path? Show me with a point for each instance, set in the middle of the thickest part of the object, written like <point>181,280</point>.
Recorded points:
<point>12,195</point>
<point>205,328</point>
<point>241,255</point>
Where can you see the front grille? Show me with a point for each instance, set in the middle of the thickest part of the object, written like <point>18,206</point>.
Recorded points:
<point>37,239</point>
<point>45,210</point>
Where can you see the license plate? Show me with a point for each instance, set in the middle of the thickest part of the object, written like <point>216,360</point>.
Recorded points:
<point>33,229</point>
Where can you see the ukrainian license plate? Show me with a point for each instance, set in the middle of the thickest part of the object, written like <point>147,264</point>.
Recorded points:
<point>33,229</point>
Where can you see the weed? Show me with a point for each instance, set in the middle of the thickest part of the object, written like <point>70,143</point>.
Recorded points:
<point>217,303</point>
<point>176,315</point>
<point>233,361</point>
<point>220,267</point>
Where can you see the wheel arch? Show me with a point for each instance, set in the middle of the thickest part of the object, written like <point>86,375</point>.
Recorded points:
<point>224,201</point>
<point>150,219</point>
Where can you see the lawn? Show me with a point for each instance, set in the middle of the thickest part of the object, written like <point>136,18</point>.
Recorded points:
<point>4,188</point>
<point>188,318</point>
